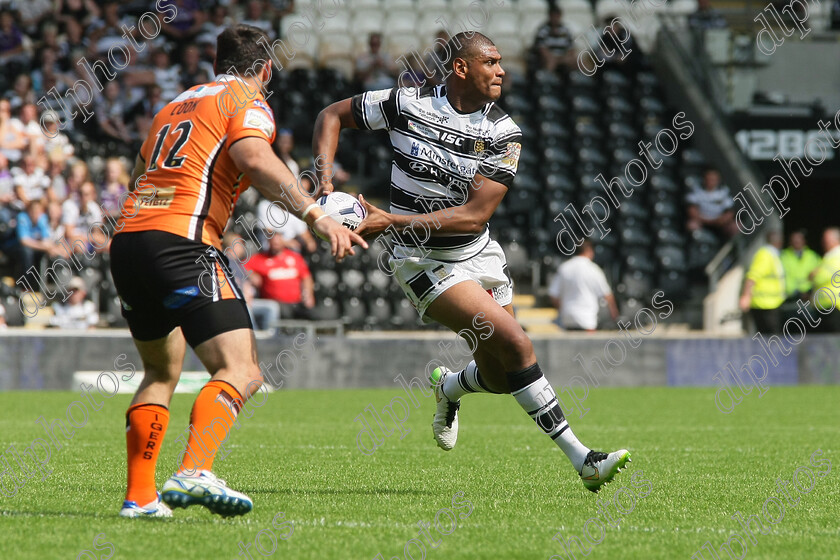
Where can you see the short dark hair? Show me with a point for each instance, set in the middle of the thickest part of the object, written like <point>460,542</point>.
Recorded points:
<point>465,44</point>
<point>238,49</point>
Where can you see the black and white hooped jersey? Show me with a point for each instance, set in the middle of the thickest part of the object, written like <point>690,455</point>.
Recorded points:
<point>437,152</point>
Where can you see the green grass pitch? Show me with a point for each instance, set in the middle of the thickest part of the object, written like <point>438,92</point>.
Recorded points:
<point>297,455</point>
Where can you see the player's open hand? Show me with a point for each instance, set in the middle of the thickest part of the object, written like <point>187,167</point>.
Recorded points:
<point>375,222</point>
<point>341,239</point>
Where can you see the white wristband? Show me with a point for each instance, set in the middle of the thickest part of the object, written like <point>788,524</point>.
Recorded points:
<point>319,218</point>
<point>308,210</point>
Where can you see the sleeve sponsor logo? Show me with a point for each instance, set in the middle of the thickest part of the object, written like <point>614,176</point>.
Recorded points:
<point>378,96</point>
<point>511,156</point>
<point>259,120</point>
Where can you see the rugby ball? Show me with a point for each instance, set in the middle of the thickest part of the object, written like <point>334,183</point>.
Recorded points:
<point>343,208</point>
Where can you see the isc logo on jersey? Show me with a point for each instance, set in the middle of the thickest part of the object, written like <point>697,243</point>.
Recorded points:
<point>449,138</point>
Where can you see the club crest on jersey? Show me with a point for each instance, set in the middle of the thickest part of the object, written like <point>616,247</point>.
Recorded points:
<point>479,146</point>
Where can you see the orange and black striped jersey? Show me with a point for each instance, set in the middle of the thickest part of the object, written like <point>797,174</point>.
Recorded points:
<point>187,160</point>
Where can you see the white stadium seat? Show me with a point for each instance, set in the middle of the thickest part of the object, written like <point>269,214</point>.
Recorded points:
<point>365,4</point>
<point>501,22</point>
<point>402,21</point>
<point>427,24</point>
<point>529,23</point>
<point>399,44</point>
<point>340,22</point>
<point>364,22</point>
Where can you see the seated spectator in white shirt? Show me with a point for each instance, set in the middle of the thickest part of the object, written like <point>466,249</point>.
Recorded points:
<point>577,289</point>
<point>31,182</point>
<point>375,69</point>
<point>77,312</point>
<point>80,216</point>
<point>711,206</point>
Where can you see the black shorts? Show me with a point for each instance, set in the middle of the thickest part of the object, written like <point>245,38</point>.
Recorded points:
<point>166,281</point>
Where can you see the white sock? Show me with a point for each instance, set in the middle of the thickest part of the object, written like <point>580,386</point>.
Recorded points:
<point>534,393</point>
<point>468,380</point>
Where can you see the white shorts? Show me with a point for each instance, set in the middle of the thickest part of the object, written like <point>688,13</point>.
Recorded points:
<point>424,279</point>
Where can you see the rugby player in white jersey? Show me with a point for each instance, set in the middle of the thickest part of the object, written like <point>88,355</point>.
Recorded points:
<point>455,156</point>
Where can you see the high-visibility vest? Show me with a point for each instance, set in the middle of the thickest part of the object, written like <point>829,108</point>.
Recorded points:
<point>797,268</point>
<point>768,274</point>
<point>825,290</point>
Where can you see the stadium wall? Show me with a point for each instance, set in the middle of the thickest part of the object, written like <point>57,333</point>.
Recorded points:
<point>48,361</point>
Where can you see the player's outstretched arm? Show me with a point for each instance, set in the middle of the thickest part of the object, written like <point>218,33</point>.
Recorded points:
<point>328,126</point>
<point>468,218</point>
<point>274,181</point>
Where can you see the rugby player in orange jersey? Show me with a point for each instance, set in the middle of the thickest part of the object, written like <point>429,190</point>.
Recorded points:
<point>204,148</point>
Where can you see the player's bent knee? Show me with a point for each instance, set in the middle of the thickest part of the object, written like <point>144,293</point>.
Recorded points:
<point>517,351</point>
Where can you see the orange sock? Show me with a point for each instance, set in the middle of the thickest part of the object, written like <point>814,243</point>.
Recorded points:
<point>145,426</point>
<point>212,416</point>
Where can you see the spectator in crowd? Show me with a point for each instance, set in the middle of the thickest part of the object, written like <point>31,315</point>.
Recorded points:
<point>706,17</point>
<point>80,11</point>
<point>8,240</point>
<point>187,23</point>
<point>114,184</point>
<point>162,73</point>
<point>32,13</point>
<point>56,221</point>
<point>7,184</point>
<point>798,261</point>
<point>22,92</point>
<point>3,325</point>
<point>375,69</point>
<point>105,32</point>
<point>28,124</point>
<point>110,114</point>
<point>554,43</point>
<point>577,289</point>
<point>436,60</point>
<point>633,58</point>
<point>285,285</point>
<point>56,144</point>
<point>764,287</point>
<point>48,74</point>
<point>77,312</point>
<point>826,293</point>
<point>294,230</point>
<point>211,28</point>
<point>194,71</point>
<point>13,141</point>
<point>254,16</point>
<point>79,217</point>
<point>11,38</point>
<point>31,182</point>
<point>34,239</point>
<point>711,206</point>
<point>75,41</point>
<point>149,104</point>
